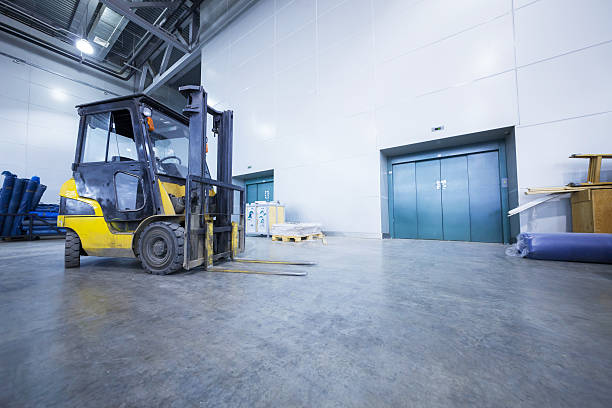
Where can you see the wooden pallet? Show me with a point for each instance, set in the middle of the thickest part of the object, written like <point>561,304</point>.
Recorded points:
<point>293,238</point>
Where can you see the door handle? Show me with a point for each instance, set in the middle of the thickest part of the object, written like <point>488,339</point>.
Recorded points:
<point>443,184</point>
<point>438,184</point>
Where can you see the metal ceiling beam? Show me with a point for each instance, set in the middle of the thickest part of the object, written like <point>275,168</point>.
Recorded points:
<point>160,4</point>
<point>165,59</point>
<point>165,76</point>
<point>203,34</point>
<point>123,8</point>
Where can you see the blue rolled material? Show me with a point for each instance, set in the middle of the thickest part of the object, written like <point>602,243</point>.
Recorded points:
<point>37,196</point>
<point>24,204</point>
<point>6,193</point>
<point>566,246</point>
<point>13,205</point>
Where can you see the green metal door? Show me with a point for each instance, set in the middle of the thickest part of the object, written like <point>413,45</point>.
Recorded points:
<point>428,199</point>
<point>404,210</point>
<point>251,193</point>
<point>265,191</point>
<point>485,197</point>
<point>455,198</point>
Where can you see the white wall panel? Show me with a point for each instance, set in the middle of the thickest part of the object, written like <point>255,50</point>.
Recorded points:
<point>320,86</point>
<point>544,150</point>
<point>295,92</point>
<point>13,157</point>
<point>402,26</point>
<point>38,119</point>
<point>297,47</point>
<point>13,131</point>
<point>294,16</point>
<point>255,15</point>
<point>482,51</point>
<point>347,19</point>
<point>553,27</point>
<point>252,43</point>
<point>216,70</point>
<point>568,86</point>
<point>14,87</point>
<point>13,109</point>
<point>255,71</point>
<point>486,104</point>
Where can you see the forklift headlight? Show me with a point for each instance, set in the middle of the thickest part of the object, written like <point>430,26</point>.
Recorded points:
<point>146,112</point>
<point>69,206</point>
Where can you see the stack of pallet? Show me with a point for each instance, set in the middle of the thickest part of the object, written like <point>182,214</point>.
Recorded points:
<point>296,232</point>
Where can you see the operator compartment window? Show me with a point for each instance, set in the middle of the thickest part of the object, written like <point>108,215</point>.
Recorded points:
<point>170,141</point>
<point>121,145</point>
<point>109,137</point>
<point>128,188</point>
<point>96,136</point>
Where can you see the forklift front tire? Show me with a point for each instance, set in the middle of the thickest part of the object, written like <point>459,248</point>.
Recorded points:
<point>72,252</point>
<point>160,247</point>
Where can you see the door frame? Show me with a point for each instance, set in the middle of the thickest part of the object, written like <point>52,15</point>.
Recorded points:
<point>496,145</point>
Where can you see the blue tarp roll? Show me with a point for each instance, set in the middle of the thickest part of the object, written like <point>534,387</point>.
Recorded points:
<point>13,205</point>
<point>6,193</point>
<point>24,204</point>
<point>566,246</point>
<point>37,196</point>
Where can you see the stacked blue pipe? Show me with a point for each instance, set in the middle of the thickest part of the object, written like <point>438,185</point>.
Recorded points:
<point>47,214</point>
<point>22,196</point>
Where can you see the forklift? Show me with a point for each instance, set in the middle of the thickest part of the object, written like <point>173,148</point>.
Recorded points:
<point>141,187</point>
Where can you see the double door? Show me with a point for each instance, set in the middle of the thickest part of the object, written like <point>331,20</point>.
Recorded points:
<point>261,191</point>
<point>455,198</point>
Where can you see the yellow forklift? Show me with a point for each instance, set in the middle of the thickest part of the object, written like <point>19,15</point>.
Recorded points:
<point>141,187</point>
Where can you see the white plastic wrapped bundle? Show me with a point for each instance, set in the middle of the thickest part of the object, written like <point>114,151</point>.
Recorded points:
<point>295,229</point>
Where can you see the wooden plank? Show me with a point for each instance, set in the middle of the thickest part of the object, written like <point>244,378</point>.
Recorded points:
<point>601,183</point>
<point>596,170</point>
<point>535,202</point>
<point>588,156</point>
<point>549,190</point>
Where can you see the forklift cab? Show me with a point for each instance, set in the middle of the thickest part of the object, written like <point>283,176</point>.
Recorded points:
<point>136,161</point>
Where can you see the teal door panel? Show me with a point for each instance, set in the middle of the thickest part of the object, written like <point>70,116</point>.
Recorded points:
<point>404,201</point>
<point>455,198</point>
<point>265,191</point>
<point>485,197</point>
<point>251,193</point>
<point>429,203</point>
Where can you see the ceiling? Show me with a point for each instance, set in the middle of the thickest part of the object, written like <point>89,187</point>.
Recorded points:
<point>143,38</point>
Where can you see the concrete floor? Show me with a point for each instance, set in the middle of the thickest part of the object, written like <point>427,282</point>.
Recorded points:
<point>376,323</point>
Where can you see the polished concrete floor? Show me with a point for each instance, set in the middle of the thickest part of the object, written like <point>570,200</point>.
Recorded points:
<point>374,324</point>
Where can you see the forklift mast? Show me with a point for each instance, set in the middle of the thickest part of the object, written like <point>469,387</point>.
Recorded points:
<point>210,236</point>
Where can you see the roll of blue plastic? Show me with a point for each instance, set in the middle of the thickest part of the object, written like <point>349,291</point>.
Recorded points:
<point>13,205</point>
<point>24,204</point>
<point>6,193</point>
<point>37,196</point>
<point>566,246</point>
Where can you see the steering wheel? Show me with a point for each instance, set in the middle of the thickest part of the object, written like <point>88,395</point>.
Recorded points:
<point>171,157</point>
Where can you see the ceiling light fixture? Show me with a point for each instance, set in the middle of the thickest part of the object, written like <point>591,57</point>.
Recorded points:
<point>84,46</point>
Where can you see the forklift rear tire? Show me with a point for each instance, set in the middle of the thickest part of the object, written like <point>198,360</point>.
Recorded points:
<point>160,247</point>
<point>72,251</point>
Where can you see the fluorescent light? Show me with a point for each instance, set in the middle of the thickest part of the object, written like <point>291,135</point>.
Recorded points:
<point>101,42</point>
<point>84,46</point>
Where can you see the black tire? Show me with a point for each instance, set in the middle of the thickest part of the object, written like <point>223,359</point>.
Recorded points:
<point>72,251</point>
<point>160,247</point>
